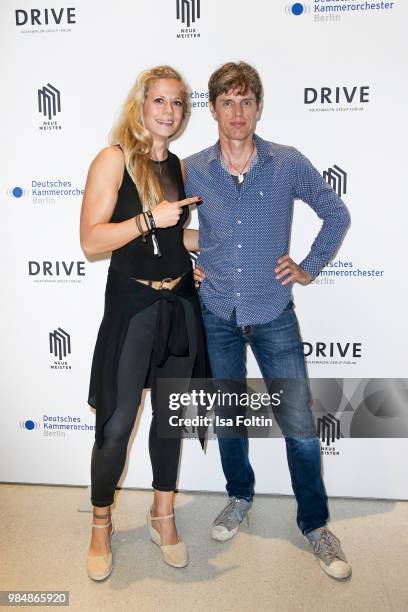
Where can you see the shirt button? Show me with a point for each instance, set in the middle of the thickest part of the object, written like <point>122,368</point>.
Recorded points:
<point>238,294</point>
<point>239,269</point>
<point>239,246</point>
<point>239,221</point>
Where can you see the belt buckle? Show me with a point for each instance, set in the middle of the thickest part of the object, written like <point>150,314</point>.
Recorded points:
<point>165,280</point>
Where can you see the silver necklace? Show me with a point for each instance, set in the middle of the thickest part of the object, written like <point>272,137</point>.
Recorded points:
<point>240,172</point>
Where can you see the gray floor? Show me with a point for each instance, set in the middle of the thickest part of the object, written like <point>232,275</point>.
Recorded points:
<point>266,567</point>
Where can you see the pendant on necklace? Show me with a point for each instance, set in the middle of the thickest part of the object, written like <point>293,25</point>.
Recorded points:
<point>240,178</point>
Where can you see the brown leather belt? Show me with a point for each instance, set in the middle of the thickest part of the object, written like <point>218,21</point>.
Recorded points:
<point>166,283</point>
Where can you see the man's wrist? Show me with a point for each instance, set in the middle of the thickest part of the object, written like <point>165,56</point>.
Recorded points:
<point>309,270</point>
<point>308,276</point>
<point>313,264</point>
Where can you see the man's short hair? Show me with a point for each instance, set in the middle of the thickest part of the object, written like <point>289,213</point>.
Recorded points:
<point>240,77</point>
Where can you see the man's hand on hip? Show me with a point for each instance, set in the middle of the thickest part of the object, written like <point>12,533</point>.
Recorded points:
<point>291,272</point>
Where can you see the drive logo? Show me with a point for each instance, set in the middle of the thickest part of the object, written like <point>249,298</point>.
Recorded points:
<point>332,353</point>
<point>56,268</point>
<point>337,98</point>
<point>337,178</point>
<point>328,429</point>
<point>49,101</point>
<point>60,343</point>
<point>29,425</point>
<point>188,12</point>
<point>332,349</point>
<point>56,271</point>
<point>35,20</point>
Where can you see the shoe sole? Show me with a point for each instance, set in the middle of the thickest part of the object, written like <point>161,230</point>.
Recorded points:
<point>176,565</point>
<point>338,578</point>
<point>326,569</point>
<point>233,532</point>
<point>100,578</point>
<point>224,538</point>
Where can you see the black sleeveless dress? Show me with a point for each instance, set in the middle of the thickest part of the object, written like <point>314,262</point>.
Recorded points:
<point>136,258</point>
<point>124,297</point>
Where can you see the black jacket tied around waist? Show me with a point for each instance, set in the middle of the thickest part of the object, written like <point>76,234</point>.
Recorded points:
<point>124,297</point>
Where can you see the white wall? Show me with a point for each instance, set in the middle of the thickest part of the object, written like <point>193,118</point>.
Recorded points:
<point>93,62</point>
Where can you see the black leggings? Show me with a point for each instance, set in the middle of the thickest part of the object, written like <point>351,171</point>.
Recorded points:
<point>108,461</point>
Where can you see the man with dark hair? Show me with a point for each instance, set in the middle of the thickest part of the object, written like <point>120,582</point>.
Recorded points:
<point>248,186</point>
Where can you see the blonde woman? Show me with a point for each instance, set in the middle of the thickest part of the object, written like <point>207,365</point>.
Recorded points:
<point>134,206</point>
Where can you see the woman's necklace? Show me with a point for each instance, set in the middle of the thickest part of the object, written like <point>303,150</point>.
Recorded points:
<point>160,170</point>
<point>240,172</point>
<point>159,162</point>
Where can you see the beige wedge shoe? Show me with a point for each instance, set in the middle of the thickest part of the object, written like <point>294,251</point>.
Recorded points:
<point>175,555</point>
<point>99,567</point>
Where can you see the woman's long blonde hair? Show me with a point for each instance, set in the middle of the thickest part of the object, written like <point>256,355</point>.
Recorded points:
<point>136,141</point>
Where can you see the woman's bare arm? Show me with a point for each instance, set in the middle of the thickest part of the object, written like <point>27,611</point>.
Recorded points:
<point>97,235</point>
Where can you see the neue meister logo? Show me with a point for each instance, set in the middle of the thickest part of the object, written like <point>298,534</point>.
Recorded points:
<point>337,178</point>
<point>188,11</point>
<point>49,101</point>
<point>328,428</point>
<point>60,343</point>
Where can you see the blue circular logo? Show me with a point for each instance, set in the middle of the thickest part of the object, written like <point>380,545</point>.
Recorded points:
<point>17,192</point>
<point>297,8</point>
<point>29,425</point>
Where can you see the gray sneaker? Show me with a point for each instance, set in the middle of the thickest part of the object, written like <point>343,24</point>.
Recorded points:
<point>328,552</point>
<point>228,521</point>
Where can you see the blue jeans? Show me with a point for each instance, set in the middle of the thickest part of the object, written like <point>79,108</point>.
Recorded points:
<point>278,351</point>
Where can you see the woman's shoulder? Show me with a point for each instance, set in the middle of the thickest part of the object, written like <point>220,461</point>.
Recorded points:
<point>112,154</point>
<point>109,165</point>
<point>109,159</point>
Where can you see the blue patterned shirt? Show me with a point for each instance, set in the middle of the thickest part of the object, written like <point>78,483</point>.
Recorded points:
<point>243,232</point>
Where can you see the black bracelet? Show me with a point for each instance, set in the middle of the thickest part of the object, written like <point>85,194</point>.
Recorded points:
<point>151,220</point>
<point>140,228</point>
<point>147,221</point>
<point>155,242</point>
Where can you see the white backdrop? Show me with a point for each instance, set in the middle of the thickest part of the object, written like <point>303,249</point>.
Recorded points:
<point>90,54</point>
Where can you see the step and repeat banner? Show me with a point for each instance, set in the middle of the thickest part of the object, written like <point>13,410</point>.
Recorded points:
<point>333,77</point>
